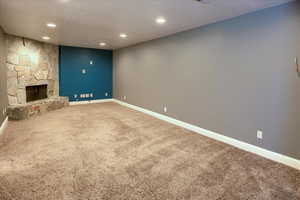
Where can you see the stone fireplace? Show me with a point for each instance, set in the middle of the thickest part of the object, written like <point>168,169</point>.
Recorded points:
<point>32,76</point>
<point>30,63</point>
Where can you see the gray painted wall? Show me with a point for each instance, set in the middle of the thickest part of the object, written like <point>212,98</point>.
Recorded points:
<point>3,88</point>
<point>232,77</point>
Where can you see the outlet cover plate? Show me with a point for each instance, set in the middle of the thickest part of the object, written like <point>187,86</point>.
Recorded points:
<point>259,135</point>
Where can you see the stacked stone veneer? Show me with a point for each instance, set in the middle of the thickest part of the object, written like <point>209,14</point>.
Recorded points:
<point>30,63</point>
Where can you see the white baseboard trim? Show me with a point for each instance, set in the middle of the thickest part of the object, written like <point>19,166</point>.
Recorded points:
<point>292,162</point>
<point>73,103</point>
<point>3,126</point>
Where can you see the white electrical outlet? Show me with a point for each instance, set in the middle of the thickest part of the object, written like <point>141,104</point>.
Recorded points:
<point>106,94</point>
<point>260,135</point>
<point>165,109</point>
<point>124,97</point>
<point>91,95</point>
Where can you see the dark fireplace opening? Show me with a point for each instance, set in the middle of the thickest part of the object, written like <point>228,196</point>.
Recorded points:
<point>36,92</point>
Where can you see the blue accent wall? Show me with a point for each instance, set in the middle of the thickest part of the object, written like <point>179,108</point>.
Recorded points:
<point>96,80</point>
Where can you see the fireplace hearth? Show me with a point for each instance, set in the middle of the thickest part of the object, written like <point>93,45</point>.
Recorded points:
<point>36,92</point>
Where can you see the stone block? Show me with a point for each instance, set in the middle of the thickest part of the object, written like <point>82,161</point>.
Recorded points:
<point>12,100</point>
<point>20,68</point>
<point>24,77</point>
<point>12,58</point>
<point>21,96</point>
<point>44,66</point>
<point>50,93</point>
<point>11,74</point>
<point>41,75</point>
<point>24,60</point>
<point>51,75</point>
<point>18,112</point>
<point>10,67</point>
<point>12,85</point>
<point>21,82</point>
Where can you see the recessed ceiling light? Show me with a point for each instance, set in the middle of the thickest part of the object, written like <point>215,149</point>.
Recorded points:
<point>64,1</point>
<point>102,44</point>
<point>203,1</point>
<point>123,35</point>
<point>161,20</point>
<point>46,38</point>
<point>51,25</point>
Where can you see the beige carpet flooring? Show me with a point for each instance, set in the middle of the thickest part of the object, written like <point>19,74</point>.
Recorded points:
<point>109,152</point>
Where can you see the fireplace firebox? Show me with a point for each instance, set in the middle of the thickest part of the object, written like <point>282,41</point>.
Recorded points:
<point>36,92</point>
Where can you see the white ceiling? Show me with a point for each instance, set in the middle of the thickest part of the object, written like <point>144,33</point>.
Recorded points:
<point>85,23</point>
